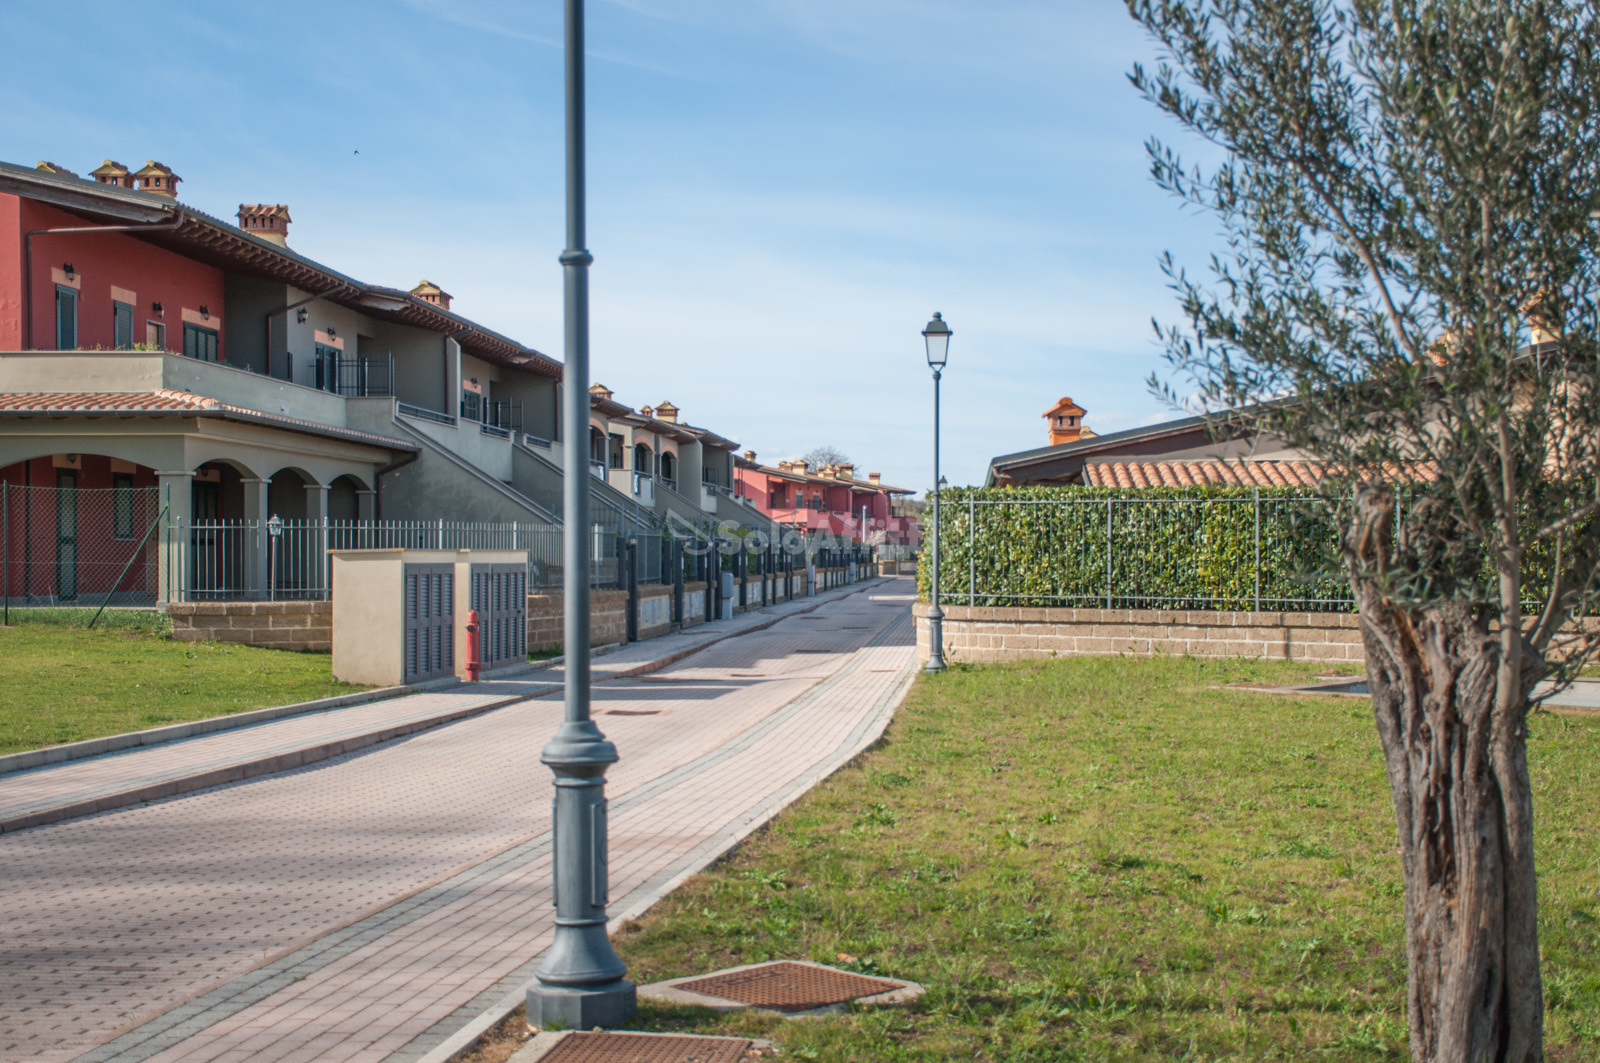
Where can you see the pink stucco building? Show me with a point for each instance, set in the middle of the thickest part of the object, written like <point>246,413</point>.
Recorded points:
<point>827,500</point>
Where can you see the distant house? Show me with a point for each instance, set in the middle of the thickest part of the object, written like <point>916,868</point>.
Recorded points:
<point>1169,454</point>
<point>828,500</point>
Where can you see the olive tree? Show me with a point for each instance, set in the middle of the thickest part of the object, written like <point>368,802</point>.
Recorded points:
<point>1406,291</point>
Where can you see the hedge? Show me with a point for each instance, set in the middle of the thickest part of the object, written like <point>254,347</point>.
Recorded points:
<point>1171,548</point>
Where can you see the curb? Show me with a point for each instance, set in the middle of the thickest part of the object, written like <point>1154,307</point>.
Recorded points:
<point>249,769</point>
<point>298,758</point>
<point>94,747</point>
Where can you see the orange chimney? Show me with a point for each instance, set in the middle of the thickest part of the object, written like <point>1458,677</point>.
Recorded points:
<point>113,173</point>
<point>667,412</point>
<point>270,221</point>
<point>158,178</point>
<point>430,292</point>
<point>873,478</point>
<point>1065,420</point>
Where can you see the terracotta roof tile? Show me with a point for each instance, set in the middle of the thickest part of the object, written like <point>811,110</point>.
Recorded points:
<point>1132,475</point>
<point>168,401</point>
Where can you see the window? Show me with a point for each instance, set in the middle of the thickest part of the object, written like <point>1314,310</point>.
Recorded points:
<point>471,406</point>
<point>325,368</point>
<point>121,506</point>
<point>199,343</point>
<point>66,318</point>
<point>155,335</point>
<point>122,326</point>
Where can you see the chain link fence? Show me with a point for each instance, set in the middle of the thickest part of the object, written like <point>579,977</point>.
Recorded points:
<point>75,546</point>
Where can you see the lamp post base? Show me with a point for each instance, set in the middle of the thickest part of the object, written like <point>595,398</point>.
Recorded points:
<point>581,1007</point>
<point>935,640</point>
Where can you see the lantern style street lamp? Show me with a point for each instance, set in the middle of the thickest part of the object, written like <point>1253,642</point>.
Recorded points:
<point>580,984</point>
<point>937,336</point>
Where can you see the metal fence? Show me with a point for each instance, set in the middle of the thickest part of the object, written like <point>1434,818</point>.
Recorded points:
<point>67,545</point>
<point>1226,552</point>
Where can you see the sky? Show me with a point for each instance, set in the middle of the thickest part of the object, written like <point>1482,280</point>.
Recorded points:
<point>781,192</point>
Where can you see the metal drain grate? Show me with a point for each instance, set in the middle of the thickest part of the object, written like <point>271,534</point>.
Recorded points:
<point>645,1048</point>
<point>788,986</point>
<point>633,712</point>
<point>815,651</point>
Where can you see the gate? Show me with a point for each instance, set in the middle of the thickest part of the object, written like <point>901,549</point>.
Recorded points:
<point>500,595</point>
<point>430,616</point>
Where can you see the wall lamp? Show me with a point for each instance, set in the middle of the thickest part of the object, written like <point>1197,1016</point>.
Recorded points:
<point>300,316</point>
<point>155,308</point>
<point>66,267</point>
<point>205,312</point>
<point>331,332</point>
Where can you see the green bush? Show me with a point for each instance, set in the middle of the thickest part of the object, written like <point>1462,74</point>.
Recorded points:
<point>1172,548</point>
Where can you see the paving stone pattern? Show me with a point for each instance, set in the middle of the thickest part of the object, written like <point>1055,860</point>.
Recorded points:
<point>359,908</point>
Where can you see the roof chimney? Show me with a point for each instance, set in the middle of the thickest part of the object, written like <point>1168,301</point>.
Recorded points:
<point>113,173</point>
<point>1065,420</point>
<point>667,412</point>
<point>750,456</point>
<point>50,167</point>
<point>430,292</point>
<point>874,477</point>
<point>270,221</point>
<point>845,471</point>
<point>158,178</point>
<point>599,390</point>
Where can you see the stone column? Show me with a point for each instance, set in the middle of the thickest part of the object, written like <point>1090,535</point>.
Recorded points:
<point>316,540</point>
<point>177,495</point>
<point>255,514</point>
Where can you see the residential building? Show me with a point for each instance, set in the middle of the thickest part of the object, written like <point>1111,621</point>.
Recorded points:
<point>206,366</point>
<point>829,500</point>
<point>1183,451</point>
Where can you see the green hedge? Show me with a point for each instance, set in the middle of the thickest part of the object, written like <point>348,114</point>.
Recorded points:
<point>1170,548</point>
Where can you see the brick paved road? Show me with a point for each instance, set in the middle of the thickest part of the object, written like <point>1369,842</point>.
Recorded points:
<point>364,907</point>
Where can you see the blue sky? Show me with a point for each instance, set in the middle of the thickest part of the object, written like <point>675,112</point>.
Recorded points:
<point>781,191</point>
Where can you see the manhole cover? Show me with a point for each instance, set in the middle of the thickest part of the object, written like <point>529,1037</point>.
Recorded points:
<point>789,986</point>
<point>645,1048</point>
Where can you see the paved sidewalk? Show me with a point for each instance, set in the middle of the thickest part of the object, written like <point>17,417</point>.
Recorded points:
<point>56,792</point>
<point>371,906</point>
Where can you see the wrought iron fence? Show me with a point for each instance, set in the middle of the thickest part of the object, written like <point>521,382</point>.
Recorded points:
<point>1241,551</point>
<point>67,545</point>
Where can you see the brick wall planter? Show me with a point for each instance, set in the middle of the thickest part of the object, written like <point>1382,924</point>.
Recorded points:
<point>277,625</point>
<point>608,619</point>
<point>980,633</point>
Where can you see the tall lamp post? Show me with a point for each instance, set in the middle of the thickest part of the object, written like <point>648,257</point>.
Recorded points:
<point>937,336</point>
<point>580,983</point>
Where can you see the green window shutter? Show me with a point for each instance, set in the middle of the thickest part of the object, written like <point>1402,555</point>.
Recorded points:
<point>122,326</point>
<point>121,506</point>
<point>66,318</point>
<point>199,343</point>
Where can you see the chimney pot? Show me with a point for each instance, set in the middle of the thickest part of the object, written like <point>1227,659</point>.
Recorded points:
<point>750,456</point>
<point>599,390</point>
<point>666,411</point>
<point>158,178</point>
<point>430,292</point>
<point>270,221</point>
<point>50,167</point>
<point>1064,421</point>
<point>113,173</point>
<point>874,477</point>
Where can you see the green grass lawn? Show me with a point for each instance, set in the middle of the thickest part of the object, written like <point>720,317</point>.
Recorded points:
<point>1099,859</point>
<point>60,682</point>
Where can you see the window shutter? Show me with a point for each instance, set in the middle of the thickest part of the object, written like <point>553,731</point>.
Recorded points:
<point>66,318</point>
<point>122,325</point>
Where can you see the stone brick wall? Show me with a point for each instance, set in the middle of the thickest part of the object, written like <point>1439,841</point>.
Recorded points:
<point>608,619</point>
<point>979,633</point>
<point>277,625</point>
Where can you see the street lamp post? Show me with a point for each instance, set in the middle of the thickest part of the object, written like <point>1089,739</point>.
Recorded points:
<point>580,984</point>
<point>937,336</point>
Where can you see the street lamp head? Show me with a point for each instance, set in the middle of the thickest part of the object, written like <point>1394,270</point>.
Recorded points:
<point>937,334</point>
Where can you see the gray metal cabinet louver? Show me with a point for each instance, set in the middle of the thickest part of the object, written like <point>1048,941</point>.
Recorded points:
<point>430,622</point>
<point>500,595</point>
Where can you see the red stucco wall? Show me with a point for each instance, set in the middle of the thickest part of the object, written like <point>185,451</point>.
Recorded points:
<point>29,566</point>
<point>101,260</point>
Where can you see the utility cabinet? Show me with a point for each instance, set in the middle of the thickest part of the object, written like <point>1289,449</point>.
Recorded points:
<point>400,616</point>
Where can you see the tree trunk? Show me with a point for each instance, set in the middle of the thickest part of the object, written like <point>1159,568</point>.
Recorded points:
<point>1455,743</point>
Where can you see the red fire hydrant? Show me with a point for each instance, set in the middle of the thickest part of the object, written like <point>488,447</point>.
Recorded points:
<point>474,658</point>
